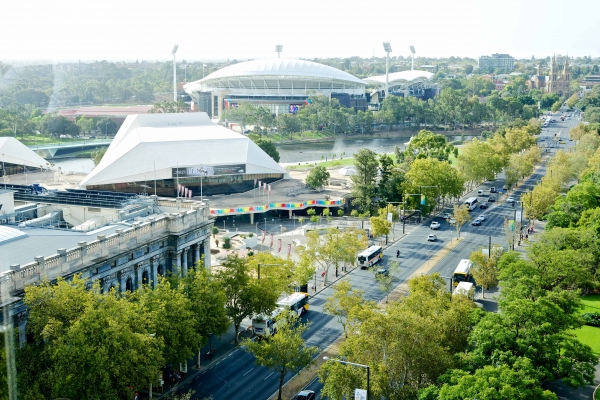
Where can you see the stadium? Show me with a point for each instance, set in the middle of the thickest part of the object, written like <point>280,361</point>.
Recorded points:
<point>164,153</point>
<point>405,83</point>
<point>281,85</point>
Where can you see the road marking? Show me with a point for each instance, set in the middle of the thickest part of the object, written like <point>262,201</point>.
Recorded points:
<point>248,372</point>
<point>268,376</point>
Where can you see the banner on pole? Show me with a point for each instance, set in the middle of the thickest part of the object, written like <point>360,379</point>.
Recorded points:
<point>289,249</point>
<point>272,240</point>
<point>264,234</point>
<point>279,249</point>
<point>360,394</point>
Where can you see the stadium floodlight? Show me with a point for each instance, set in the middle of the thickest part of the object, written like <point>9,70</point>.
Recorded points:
<point>278,49</point>
<point>174,73</point>
<point>413,51</point>
<point>388,49</point>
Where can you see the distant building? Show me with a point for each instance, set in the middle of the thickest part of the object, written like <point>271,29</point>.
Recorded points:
<point>591,80</point>
<point>496,61</point>
<point>554,82</point>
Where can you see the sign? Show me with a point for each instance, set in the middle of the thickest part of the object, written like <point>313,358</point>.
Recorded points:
<point>209,170</point>
<point>360,394</point>
<point>518,216</point>
<point>389,217</point>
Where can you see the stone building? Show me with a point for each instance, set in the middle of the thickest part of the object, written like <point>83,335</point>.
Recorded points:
<point>556,82</point>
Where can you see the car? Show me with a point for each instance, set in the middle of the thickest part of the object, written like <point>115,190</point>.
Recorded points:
<point>483,206</point>
<point>305,395</point>
<point>451,221</point>
<point>482,217</point>
<point>491,199</point>
<point>504,188</point>
<point>480,193</point>
<point>492,190</point>
<point>561,142</point>
<point>431,238</point>
<point>476,222</point>
<point>446,216</point>
<point>570,140</point>
<point>434,225</point>
<point>510,200</point>
<point>382,271</point>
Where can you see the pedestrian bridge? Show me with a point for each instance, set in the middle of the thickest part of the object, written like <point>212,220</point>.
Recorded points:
<point>57,150</point>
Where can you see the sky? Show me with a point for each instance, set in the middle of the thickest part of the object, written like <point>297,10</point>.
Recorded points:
<point>87,30</point>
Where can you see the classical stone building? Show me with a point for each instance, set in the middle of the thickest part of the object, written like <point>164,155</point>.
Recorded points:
<point>556,82</point>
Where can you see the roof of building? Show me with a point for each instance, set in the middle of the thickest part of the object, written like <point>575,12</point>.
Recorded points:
<point>14,152</point>
<point>402,77</point>
<point>148,146</point>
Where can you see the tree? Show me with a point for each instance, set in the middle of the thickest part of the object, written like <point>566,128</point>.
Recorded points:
<point>169,107</point>
<point>380,225</point>
<point>57,125</point>
<point>485,267</point>
<point>317,177</point>
<point>429,144</point>
<point>461,216</point>
<point>246,296</point>
<point>386,164</point>
<point>98,154</point>
<point>556,106</point>
<point>478,161</point>
<point>334,248</point>
<point>342,301</point>
<point>85,124</point>
<point>573,100</point>
<point>386,281</point>
<point>284,351</point>
<point>214,230</point>
<point>365,162</point>
<point>107,126</point>
<point>267,146</point>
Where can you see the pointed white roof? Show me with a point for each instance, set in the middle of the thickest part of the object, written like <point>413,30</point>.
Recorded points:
<point>148,146</point>
<point>14,152</point>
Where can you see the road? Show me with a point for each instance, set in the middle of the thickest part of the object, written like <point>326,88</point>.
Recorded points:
<point>237,377</point>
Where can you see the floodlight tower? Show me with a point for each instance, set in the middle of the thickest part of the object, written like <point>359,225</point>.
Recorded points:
<point>388,49</point>
<point>278,49</point>
<point>174,73</point>
<point>412,50</point>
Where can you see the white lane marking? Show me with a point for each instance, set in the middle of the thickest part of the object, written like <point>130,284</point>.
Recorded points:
<point>268,376</point>
<point>248,372</point>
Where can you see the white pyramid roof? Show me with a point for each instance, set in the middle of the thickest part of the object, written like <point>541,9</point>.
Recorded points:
<point>148,146</point>
<point>14,152</point>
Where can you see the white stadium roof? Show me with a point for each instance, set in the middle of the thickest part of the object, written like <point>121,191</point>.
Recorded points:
<point>280,74</point>
<point>14,152</point>
<point>403,78</point>
<point>149,144</point>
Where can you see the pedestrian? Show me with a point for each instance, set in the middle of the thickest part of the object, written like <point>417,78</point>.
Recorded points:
<point>526,237</point>
<point>136,396</point>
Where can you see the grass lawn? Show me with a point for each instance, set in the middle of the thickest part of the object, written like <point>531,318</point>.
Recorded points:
<point>590,335</point>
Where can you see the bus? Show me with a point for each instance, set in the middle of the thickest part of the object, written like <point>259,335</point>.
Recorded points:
<point>471,202</point>
<point>296,302</point>
<point>462,273</point>
<point>464,288</point>
<point>370,256</point>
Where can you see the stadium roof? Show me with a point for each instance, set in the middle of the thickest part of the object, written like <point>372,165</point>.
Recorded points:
<point>148,146</point>
<point>14,152</point>
<point>266,74</point>
<point>403,78</point>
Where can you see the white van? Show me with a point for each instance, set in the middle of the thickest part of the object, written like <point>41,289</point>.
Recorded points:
<point>466,289</point>
<point>480,193</point>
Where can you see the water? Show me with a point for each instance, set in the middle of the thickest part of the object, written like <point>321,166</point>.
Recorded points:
<point>292,153</point>
<point>302,152</point>
<point>79,165</point>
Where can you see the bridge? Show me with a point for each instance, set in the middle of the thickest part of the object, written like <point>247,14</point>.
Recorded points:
<point>57,150</point>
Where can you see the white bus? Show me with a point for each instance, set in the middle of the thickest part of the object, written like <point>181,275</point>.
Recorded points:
<point>297,302</point>
<point>464,288</point>
<point>370,256</point>
<point>471,202</point>
<point>462,273</point>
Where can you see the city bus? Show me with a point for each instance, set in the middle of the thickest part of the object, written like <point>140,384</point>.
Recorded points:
<point>471,202</point>
<point>462,273</point>
<point>296,302</point>
<point>370,256</point>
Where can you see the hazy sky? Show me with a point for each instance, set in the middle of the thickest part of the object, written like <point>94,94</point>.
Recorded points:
<point>147,30</point>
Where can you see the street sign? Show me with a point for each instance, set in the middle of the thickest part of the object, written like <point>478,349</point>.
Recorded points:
<point>360,394</point>
<point>389,217</point>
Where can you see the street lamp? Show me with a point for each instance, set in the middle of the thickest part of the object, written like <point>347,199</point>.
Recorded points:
<point>203,65</point>
<point>388,49</point>
<point>356,365</point>
<point>278,49</point>
<point>174,73</point>
<point>412,50</point>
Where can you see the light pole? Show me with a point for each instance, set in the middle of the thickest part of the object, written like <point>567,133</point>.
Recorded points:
<point>203,65</point>
<point>412,50</point>
<point>356,365</point>
<point>174,73</point>
<point>278,49</point>
<point>388,49</point>
<point>185,73</point>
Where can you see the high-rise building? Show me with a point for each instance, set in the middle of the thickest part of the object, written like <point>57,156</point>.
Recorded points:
<point>496,61</point>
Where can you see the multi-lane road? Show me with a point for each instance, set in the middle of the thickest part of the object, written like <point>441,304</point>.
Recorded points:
<point>237,377</point>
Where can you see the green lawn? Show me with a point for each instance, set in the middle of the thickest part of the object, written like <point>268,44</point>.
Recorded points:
<point>590,335</point>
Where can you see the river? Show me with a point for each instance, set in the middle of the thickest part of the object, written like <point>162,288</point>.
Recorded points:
<point>292,153</point>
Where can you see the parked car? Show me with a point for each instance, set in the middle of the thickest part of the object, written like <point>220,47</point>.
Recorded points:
<point>431,238</point>
<point>491,199</point>
<point>434,225</point>
<point>482,217</point>
<point>383,271</point>
<point>446,216</point>
<point>510,200</point>
<point>483,206</point>
<point>305,395</point>
<point>480,193</point>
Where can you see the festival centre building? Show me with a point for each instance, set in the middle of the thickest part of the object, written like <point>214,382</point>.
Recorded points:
<point>165,154</point>
<point>282,85</point>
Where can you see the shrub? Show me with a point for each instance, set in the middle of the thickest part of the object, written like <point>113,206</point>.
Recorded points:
<point>592,319</point>
<point>226,242</point>
<point>250,234</point>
